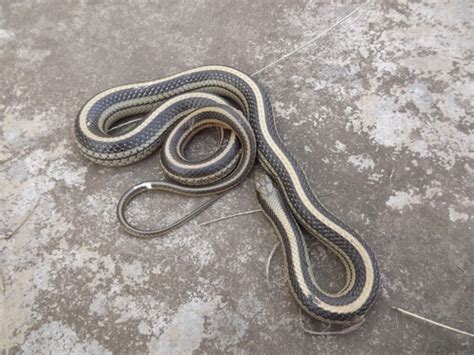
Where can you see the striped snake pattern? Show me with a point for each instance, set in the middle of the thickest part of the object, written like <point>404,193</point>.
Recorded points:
<point>179,106</point>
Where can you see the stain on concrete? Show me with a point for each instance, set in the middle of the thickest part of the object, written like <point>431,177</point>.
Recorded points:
<point>56,338</point>
<point>185,332</point>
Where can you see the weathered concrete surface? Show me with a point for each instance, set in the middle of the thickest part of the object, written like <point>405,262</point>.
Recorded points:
<point>378,111</point>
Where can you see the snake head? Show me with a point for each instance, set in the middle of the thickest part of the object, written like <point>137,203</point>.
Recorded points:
<point>263,184</point>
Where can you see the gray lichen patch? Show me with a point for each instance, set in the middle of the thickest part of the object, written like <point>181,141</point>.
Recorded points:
<point>56,338</point>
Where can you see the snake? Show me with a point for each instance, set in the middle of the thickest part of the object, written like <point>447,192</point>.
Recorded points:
<point>174,109</point>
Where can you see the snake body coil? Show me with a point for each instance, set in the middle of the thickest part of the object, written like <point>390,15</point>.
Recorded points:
<point>181,105</point>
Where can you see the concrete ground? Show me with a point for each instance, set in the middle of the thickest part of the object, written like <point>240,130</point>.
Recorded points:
<point>378,110</point>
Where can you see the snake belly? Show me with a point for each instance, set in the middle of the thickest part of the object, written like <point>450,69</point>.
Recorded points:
<point>171,99</point>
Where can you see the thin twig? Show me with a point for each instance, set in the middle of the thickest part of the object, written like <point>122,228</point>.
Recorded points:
<point>391,250</point>
<point>4,163</point>
<point>230,216</point>
<point>391,173</point>
<point>304,45</point>
<point>124,124</point>
<point>269,260</point>
<point>2,284</point>
<point>325,195</point>
<point>22,222</point>
<point>433,322</point>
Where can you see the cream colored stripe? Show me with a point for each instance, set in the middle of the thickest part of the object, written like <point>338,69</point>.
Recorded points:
<point>295,257</point>
<point>359,301</point>
<point>85,129</point>
<point>173,161</point>
<point>245,157</point>
<point>204,179</point>
<point>344,258</point>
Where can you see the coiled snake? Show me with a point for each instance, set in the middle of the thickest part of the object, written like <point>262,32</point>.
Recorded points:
<point>179,106</point>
